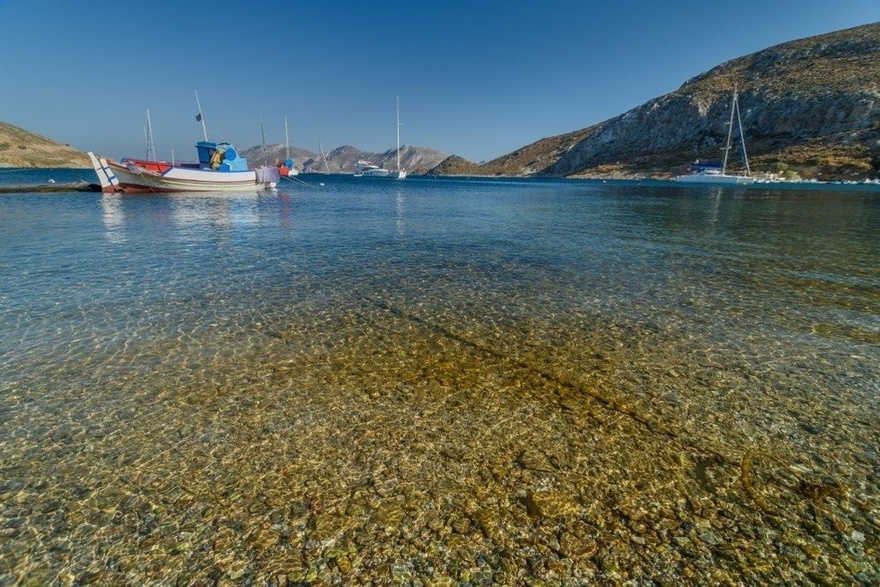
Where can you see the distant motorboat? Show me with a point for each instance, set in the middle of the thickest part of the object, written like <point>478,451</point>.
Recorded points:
<point>717,173</point>
<point>367,169</point>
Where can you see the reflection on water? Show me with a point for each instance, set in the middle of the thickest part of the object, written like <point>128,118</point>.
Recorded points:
<point>114,219</point>
<point>441,382</point>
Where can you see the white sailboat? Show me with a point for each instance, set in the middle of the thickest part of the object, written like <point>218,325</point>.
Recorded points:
<point>314,168</point>
<point>323,157</point>
<point>400,173</point>
<point>718,175</point>
<point>368,169</point>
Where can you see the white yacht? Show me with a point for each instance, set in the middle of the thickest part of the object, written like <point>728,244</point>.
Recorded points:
<point>367,169</point>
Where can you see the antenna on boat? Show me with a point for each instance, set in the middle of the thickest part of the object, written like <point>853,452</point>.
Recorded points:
<point>200,118</point>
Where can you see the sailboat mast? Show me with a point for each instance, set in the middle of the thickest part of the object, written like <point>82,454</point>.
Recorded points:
<point>729,133</point>
<point>323,157</point>
<point>398,132</point>
<point>742,138</point>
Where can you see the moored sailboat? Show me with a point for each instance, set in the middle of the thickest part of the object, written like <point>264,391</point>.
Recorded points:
<point>368,169</point>
<point>400,173</point>
<point>715,174</point>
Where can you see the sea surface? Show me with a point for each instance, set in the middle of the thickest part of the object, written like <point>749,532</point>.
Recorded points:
<point>358,381</point>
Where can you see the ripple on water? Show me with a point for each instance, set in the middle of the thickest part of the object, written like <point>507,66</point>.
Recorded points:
<point>467,420</point>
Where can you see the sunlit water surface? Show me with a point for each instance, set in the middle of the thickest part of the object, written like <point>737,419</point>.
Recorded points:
<point>440,382</point>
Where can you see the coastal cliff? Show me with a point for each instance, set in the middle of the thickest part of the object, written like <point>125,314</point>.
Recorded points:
<point>810,107</point>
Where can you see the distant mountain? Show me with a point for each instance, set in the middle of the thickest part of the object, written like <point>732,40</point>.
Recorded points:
<point>20,148</point>
<point>415,160</point>
<point>810,106</point>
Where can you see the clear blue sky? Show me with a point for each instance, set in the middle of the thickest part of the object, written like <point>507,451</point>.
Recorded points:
<point>476,78</point>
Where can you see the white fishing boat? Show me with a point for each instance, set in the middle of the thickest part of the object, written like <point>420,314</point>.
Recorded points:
<point>717,174</point>
<point>220,168</point>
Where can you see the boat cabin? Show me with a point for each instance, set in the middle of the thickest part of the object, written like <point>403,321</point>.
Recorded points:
<point>220,157</point>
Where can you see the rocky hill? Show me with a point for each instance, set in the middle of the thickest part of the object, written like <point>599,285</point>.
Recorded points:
<point>416,160</point>
<point>810,106</point>
<point>20,148</point>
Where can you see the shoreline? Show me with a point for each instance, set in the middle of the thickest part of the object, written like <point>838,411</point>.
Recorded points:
<point>78,186</point>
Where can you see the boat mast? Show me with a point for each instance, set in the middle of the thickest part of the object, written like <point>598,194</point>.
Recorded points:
<point>742,137</point>
<point>263,137</point>
<point>729,132</point>
<point>323,157</point>
<point>398,132</point>
<point>201,118</point>
<point>286,141</point>
<point>151,149</point>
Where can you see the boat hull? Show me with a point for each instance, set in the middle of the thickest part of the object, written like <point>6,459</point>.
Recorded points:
<point>131,178</point>
<point>715,179</point>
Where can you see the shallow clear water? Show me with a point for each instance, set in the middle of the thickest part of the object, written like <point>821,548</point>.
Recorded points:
<point>440,381</point>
